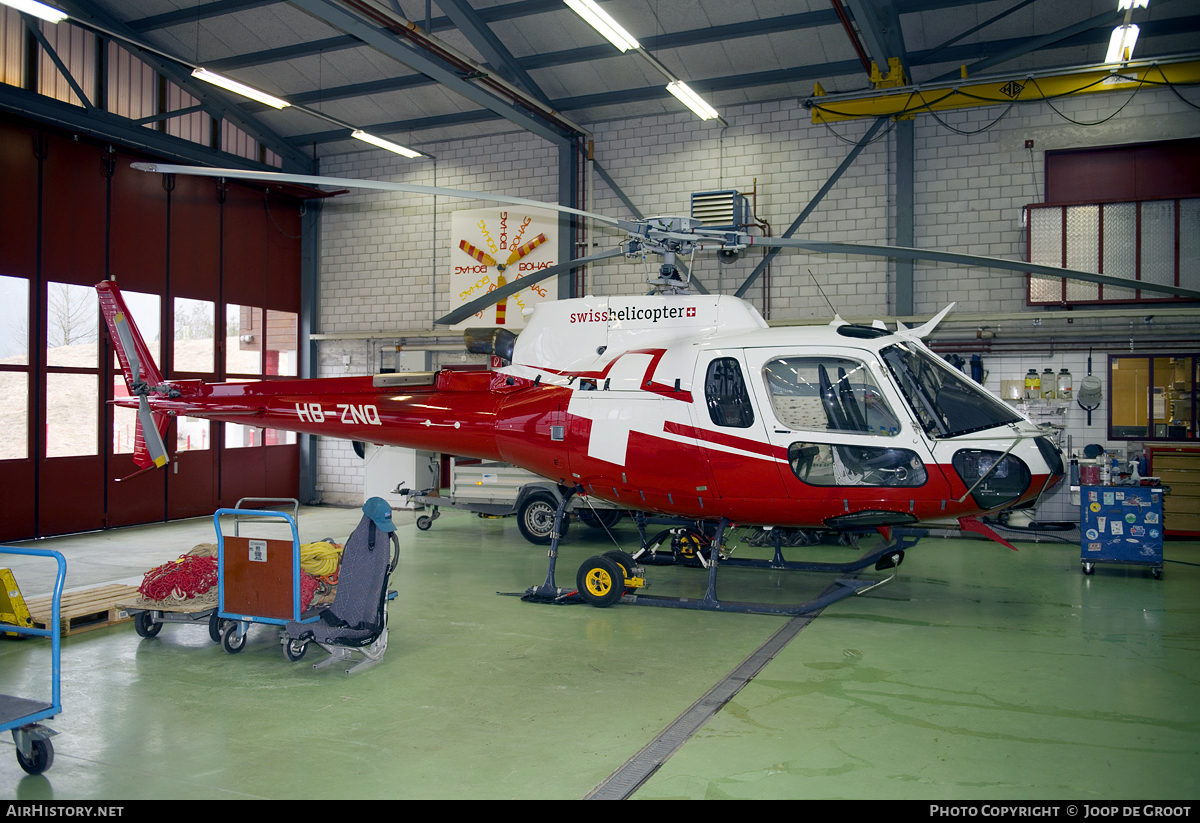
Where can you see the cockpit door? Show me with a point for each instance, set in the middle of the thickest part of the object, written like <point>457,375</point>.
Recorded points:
<point>840,433</point>
<point>729,428</point>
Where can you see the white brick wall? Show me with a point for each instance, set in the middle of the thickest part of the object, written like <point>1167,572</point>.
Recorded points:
<point>385,256</point>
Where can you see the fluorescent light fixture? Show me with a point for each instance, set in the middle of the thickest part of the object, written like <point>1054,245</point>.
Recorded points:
<point>1125,5</point>
<point>692,100</point>
<point>1120,45</point>
<point>41,10</point>
<point>384,144</point>
<point>599,19</point>
<point>239,88</point>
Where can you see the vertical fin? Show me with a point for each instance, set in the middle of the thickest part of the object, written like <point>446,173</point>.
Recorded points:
<point>141,374</point>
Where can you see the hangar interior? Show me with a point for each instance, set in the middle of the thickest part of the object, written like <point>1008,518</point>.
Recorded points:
<point>1003,129</point>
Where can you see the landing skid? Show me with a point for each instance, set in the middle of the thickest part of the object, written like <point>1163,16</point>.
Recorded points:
<point>889,555</point>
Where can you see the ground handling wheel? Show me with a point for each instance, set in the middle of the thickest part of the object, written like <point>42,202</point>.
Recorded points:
<point>601,581</point>
<point>625,561</point>
<point>424,522</point>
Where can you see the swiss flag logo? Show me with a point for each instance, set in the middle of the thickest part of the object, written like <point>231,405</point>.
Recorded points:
<point>691,312</point>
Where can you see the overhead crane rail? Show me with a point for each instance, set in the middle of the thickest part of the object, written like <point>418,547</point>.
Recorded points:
<point>909,101</point>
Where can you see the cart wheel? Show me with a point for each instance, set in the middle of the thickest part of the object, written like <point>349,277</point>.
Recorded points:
<point>145,625</point>
<point>214,627</point>
<point>1157,572</point>
<point>41,759</point>
<point>424,522</point>
<point>293,650</point>
<point>1089,568</point>
<point>624,560</point>
<point>231,641</point>
<point>600,581</point>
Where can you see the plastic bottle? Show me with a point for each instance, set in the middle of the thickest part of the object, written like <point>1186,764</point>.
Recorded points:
<point>1047,387</point>
<point>1105,470</point>
<point>1033,384</point>
<point>1065,385</point>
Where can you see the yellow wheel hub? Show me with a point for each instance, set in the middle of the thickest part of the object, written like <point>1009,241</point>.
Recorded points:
<point>599,582</point>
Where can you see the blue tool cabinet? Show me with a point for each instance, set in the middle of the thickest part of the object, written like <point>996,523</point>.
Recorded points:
<point>1121,524</point>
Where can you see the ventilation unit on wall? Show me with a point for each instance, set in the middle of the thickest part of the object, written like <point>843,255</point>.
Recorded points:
<point>720,209</point>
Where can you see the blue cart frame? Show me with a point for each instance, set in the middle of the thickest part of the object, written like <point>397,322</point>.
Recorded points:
<point>35,753</point>
<point>235,625</point>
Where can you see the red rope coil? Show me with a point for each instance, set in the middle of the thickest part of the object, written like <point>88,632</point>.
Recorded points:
<point>188,577</point>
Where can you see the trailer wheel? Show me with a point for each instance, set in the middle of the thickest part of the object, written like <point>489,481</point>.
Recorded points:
<point>144,625</point>
<point>231,641</point>
<point>535,518</point>
<point>424,522</point>
<point>41,759</point>
<point>600,518</point>
<point>600,581</point>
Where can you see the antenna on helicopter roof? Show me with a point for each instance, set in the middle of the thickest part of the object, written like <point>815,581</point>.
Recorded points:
<point>822,291</point>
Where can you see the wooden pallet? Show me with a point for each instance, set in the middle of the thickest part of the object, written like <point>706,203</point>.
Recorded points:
<point>86,609</point>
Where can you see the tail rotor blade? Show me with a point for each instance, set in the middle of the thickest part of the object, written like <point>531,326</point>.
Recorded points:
<point>156,449</point>
<point>121,323</point>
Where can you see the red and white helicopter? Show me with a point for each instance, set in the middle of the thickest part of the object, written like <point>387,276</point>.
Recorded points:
<point>671,403</point>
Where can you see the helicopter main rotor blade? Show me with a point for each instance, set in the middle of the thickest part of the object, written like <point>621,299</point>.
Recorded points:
<point>904,253</point>
<point>480,303</point>
<point>380,185</point>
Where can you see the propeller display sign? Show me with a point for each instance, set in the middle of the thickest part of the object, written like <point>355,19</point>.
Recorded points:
<point>494,247</point>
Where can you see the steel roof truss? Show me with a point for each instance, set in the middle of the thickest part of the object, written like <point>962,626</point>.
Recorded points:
<point>489,45</point>
<point>426,64</point>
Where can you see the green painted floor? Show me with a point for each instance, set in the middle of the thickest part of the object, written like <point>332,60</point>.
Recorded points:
<point>976,673</point>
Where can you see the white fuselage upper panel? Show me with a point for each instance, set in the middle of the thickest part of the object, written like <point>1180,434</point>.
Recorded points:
<point>584,334</point>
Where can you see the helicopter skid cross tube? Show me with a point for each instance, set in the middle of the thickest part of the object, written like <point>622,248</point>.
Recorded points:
<point>837,590</point>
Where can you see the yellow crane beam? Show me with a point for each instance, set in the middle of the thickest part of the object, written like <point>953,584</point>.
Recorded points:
<point>910,101</point>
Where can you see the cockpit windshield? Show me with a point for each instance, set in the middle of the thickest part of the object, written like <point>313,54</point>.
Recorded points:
<point>945,402</point>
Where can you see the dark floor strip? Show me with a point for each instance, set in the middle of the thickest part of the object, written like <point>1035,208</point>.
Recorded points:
<point>638,769</point>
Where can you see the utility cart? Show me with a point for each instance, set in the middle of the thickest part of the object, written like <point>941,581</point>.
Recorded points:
<point>1121,524</point>
<point>150,616</point>
<point>258,578</point>
<point>20,715</point>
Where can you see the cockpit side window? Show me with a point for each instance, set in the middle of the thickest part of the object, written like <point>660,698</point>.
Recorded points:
<point>725,391</point>
<point>828,394</point>
<point>946,403</point>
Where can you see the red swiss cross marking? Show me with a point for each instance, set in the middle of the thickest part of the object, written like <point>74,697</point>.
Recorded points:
<point>691,311</point>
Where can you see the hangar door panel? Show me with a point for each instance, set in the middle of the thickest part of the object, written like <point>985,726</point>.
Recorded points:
<point>79,216</point>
